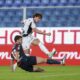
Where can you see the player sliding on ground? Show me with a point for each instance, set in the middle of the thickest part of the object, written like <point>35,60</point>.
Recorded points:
<point>27,62</point>
<point>28,39</point>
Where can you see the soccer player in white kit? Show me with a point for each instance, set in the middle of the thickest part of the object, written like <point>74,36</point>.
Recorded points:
<point>28,39</point>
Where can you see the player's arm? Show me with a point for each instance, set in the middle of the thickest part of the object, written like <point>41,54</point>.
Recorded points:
<point>40,32</point>
<point>14,60</point>
<point>16,55</point>
<point>34,29</point>
<point>13,65</point>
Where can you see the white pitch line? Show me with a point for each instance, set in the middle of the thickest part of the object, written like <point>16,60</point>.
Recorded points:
<point>56,75</point>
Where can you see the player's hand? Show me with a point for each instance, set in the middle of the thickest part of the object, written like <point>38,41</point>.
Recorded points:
<point>48,34</point>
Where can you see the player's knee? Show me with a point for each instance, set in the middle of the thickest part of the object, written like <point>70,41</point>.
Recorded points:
<point>36,42</point>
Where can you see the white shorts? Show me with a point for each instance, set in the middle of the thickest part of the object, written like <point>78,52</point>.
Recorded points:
<point>26,41</point>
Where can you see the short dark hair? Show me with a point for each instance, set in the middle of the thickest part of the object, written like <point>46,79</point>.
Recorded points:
<point>17,37</point>
<point>37,15</point>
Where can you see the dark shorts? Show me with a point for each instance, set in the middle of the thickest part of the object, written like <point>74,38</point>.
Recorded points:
<point>27,62</point>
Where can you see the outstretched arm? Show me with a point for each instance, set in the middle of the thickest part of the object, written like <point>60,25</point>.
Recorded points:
<point>40,32</point>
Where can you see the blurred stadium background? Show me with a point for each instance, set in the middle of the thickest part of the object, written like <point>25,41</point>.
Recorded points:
<point>66,13</point>
<point>56,13</point>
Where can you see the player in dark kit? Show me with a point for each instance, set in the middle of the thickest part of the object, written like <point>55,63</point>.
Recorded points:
<point>27,62</point>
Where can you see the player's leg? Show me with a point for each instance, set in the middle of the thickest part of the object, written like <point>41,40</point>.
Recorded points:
<point>27,64</point>
<point>43,48</point>
<point>30,68</point>
<point>33,60</point>
<point>27,41</point>
<point>37,60</point>
<point>50,61</point>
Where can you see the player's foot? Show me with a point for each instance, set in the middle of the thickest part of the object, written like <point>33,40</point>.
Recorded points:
<point>63,60</point>
<point>52,53</point>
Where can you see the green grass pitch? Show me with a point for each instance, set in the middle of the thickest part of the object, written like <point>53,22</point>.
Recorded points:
<point>51,73</point>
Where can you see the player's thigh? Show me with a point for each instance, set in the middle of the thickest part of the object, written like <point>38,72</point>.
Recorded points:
<point>40,60</point>
<point>33,60</point>
<point>35,42</point>
<point>24,66</point>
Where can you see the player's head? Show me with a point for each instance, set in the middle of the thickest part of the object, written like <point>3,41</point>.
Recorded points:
<point>18,39</point>
<point>37,17</point>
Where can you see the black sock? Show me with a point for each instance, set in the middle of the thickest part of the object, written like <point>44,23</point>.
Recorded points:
<point>51,61</point>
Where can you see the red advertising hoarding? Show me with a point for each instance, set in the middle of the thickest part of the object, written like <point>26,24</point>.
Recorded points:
<point>64,40</point>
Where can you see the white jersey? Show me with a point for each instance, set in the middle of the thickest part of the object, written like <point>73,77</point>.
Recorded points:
<point>28,25</point>
<point>27,30</point>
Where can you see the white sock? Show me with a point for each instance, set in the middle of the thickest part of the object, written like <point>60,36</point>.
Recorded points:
<point>43,48</point>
